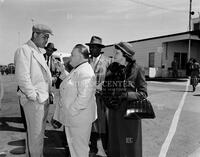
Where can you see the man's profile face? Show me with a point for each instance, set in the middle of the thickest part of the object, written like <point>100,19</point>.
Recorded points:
<point>95,50</point>
<point>75,57</point>
<point>41,39</point>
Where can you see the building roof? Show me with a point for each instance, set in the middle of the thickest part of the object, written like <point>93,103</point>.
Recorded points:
<point>164,36</point>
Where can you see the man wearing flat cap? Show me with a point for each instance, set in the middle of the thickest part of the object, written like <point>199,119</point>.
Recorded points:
<point>34,81</point>
<point>99,62</point>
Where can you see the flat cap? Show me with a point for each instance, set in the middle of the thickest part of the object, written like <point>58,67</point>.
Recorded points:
<point>126,48</point>
<point>40,28</point>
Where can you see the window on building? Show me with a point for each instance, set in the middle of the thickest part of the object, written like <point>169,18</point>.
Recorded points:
<point>181,59</point>
<point>151,59</point>
<point>196,26</point>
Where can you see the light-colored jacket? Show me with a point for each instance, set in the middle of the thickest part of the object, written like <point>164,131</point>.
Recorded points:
<point>77,103</point>
<point>32,73</point>
<point>100,69</point>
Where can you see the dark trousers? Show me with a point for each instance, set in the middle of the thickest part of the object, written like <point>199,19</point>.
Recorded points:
<point>23,118</point>
<point>64,139</point>
<point>125,136</point>
<point>93,141</point>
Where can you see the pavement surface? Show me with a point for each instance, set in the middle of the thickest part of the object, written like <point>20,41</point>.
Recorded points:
<point>173,133</point>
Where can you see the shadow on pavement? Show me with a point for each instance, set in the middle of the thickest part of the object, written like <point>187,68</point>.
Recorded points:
<point>181,91</point>
<point>18,151</point>
<point>54,145</point>
<point>11,119</point>
<point>4,126</point>
<point>17,143</point>
<point>3,155</point>
<point>196,95</point>
<point>161,79</point>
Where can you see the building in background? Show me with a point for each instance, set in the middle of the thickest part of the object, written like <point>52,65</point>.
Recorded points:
<point>156,54</point>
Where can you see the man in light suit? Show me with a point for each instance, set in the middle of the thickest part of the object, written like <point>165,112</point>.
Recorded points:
<point>76,109</point>
<point>34,80</point>
<point>99,63</point>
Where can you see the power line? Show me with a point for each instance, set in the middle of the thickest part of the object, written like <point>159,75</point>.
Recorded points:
<point>158,7</point>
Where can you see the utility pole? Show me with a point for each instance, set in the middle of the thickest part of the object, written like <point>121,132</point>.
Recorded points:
<point>199,20</point>
<point>19,38</point>
<point>189,44</point>
<point>32,21</point>
<point>190,13</point>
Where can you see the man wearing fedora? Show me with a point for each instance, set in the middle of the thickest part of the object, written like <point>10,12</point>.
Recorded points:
<point>99,63</point>
<point>34,81</point>
<point>50,49</point>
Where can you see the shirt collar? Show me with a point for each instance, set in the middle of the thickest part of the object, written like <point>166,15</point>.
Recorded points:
<point>32,44</point>
<point>96,59</point>
<point>80,64</point>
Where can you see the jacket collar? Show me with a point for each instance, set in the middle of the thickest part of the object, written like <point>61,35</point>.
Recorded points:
<point>32,44</point>
<point>80,64</point>
<point>37,54</point>
<point>83,64</point>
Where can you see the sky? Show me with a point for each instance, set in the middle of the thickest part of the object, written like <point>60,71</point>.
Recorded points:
<point>75,21</point>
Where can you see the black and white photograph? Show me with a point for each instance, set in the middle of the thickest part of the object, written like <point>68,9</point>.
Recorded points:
<point>99,78</point>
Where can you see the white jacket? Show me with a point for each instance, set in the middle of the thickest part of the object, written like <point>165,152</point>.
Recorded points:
<point>32,73</point>
<point>77,102</point>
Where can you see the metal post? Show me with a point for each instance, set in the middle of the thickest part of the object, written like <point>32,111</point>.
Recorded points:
<point>189,47</point>
<point>199,20</point>
<point>189,44</point>
<point>32,21</point>
<point>190,9</point>
<point>18,38</point>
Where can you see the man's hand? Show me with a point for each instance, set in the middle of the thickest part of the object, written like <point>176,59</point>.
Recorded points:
<point>55,124</point>
<point>59,66</point>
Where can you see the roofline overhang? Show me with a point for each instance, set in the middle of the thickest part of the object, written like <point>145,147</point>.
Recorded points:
<point>197,32</point>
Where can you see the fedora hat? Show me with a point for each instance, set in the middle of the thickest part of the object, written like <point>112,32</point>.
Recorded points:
<point>126,48</point>
<point>50,46</point>
<point>95,40</point>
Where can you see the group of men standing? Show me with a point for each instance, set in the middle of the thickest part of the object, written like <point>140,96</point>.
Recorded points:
<point>34,88</point>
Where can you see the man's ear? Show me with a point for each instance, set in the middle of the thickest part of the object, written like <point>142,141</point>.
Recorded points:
<point>81,57</point>
<point>35,35</point>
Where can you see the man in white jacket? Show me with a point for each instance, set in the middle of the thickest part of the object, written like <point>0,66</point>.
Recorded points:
<point>77,109</point>
<point>34,81</point>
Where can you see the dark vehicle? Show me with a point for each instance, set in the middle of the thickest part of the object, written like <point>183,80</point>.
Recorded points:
<point>10,69</point>
<point>3,69</point>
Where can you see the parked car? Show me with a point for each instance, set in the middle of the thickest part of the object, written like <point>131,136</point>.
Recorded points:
<point>11,68</point>
<point>4,70</point>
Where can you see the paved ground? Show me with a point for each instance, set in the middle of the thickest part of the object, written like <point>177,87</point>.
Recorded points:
<point>12,134</point>
<point>165,97</point>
